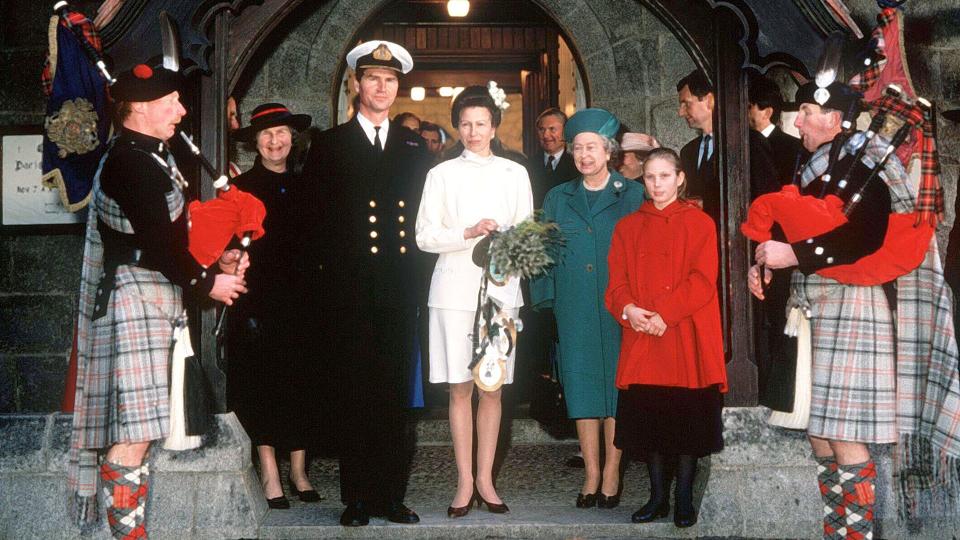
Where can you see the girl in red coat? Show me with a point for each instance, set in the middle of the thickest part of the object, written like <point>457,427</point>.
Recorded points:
<point>663,290</point>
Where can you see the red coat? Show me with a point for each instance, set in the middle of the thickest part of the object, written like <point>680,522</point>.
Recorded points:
<point>666,261</point>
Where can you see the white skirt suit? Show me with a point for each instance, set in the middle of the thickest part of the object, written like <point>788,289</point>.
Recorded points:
<point>458,193</point>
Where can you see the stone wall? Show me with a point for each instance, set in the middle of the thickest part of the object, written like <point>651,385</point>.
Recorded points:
<point>630,62</point>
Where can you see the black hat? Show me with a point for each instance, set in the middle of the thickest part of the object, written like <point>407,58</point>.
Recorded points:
<point>474,96</point>
<point>145,83</point>
<point>270,115</point>
<point>837,96</point>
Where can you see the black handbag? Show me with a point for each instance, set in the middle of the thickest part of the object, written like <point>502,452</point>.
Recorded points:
<point>548,406</point>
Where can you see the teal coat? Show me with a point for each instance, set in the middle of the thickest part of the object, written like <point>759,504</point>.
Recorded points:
<point>574,287</point>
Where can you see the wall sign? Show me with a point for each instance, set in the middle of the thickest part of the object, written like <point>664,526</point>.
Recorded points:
<point>24,201</point>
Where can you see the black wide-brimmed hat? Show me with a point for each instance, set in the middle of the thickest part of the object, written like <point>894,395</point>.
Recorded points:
<point>271,115</point>
<point>145,83</point>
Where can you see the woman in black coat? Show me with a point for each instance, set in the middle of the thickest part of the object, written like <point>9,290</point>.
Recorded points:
<point>266,379</point>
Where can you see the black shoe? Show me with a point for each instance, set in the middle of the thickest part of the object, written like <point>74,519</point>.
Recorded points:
<point>650,512</point>
<point>355,515</point>
<point>575,462</point>
<point>309,495</point>
<point>684,517</point>
<point>278,503</point>
<point>603,501</point>
<point>586,501</point>
<point>399,513</point>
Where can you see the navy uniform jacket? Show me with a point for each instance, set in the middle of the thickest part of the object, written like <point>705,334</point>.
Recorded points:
<point>360,277</point>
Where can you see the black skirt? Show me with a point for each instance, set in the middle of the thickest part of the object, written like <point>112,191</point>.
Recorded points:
<point>272,389</point>
<point>669,420</point>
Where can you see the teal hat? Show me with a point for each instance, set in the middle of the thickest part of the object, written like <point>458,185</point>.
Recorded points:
<point>599,121</point>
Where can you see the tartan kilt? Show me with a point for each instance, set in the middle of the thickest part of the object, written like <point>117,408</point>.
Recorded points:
<point>130,348</point>
<point>854,395</point>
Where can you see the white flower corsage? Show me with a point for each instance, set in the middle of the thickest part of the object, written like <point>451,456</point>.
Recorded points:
<point>498,95</point>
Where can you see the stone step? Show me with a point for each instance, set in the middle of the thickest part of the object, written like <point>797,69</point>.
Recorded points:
<point>761,486</point>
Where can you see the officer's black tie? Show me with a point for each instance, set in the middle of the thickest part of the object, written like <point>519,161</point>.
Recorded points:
<point>377,143</point>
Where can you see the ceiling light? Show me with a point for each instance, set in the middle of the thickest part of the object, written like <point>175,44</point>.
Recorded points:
<point>417,93</point>
<point>458,8</point>
<point>445,91</point>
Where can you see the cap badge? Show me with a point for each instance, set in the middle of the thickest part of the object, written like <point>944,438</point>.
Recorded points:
<point>382,53</point>
<point>822,95</point>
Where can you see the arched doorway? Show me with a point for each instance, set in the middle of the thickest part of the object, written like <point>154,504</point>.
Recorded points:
<point>632,54</point>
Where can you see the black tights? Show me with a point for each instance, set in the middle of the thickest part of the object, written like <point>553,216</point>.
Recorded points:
<point>661,468</point>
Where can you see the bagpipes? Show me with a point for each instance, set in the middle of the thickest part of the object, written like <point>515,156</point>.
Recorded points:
<point>802,217</point>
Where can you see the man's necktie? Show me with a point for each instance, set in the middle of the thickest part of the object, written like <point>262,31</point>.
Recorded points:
<point>377,143</point>
<point>705,153</point>
<point>549,166</point>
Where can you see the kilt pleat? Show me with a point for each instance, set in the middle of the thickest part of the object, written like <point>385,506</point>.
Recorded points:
<point>854,393</point>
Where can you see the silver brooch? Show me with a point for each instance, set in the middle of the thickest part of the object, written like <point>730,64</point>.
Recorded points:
<point>617,184</point>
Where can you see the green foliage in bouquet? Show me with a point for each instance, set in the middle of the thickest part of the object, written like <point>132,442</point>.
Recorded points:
<point>525,249</point>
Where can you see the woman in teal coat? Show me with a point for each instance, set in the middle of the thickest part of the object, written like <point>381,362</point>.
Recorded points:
<point>587,208</point>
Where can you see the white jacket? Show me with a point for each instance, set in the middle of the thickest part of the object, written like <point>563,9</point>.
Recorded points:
<point>459,193</point>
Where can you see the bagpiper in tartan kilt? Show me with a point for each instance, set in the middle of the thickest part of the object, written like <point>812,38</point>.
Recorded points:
<point>124,339</point>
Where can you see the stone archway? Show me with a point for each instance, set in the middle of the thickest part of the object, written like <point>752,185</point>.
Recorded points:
<point>632,54</point>
<point>620,46</point>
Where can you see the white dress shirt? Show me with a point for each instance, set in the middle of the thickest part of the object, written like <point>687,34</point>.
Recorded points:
<point>458,193</point>
<point>368,129</point>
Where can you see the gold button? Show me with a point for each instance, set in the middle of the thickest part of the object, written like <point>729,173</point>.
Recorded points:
<point>373,204</point>
<point>403,249</point>
<point>403,234</point>
<point>400,218</point>
<point>401,204</point>
<point>373,234</point>
<point>373,249</point>
<point>373,219</point>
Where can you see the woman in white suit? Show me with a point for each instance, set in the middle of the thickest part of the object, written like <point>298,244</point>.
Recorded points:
<point>464,200</point>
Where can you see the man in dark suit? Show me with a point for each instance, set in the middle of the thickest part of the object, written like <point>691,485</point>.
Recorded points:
<point>697,157</point>
<point>361,282</point>
<point>553,165</point>
<point>766,104</point>
<point>776,353</point>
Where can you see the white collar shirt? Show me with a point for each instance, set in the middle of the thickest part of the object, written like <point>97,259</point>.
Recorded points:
<point>370,132</point>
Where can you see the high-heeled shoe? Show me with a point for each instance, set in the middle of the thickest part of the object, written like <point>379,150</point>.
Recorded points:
<point>278,503</point>
<point>493,508</point>
<point>459,511</point>
<point>651,511</point>
<point>607,501</point>
<point>586,500</point>
<point>307,495</point>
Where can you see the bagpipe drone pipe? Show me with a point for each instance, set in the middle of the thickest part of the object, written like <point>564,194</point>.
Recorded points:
<point>825,205</point>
